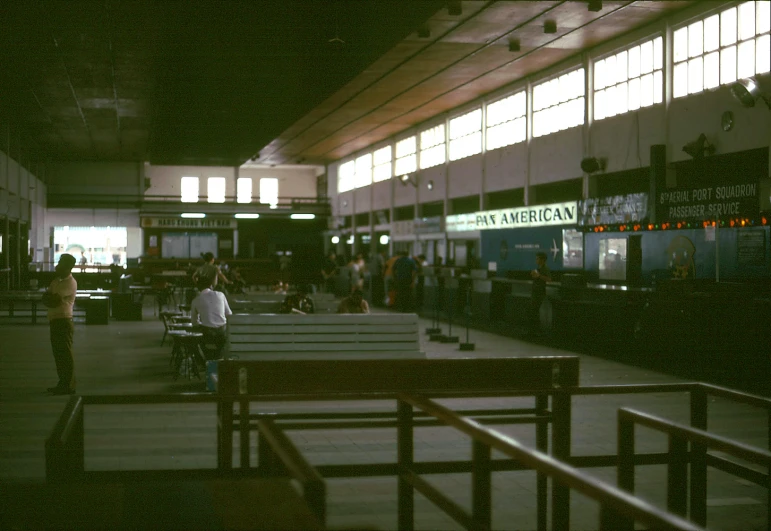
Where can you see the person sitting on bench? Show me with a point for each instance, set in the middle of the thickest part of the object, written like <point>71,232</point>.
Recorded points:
<point>209,312</point>
<point>298,302</point>
<point>353,303</point>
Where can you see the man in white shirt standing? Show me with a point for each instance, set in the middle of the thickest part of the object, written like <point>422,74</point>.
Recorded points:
<point>60,298</point>
<point>209,311</point>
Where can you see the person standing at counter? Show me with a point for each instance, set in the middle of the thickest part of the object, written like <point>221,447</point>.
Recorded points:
<point>60,299</point>
<point>540,275</point>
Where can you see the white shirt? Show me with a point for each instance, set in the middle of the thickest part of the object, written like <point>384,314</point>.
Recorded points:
<point>212,307</point>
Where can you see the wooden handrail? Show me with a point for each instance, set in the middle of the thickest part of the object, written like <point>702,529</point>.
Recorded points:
<point>716,442</point>
<point>66,422</point>
<point>296,465</point>
<point>737,396</point>
<point>610,497</point>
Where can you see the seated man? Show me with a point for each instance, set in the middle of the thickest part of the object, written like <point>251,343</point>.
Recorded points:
<point>209,312</point>
<point>300,302</point>
<point>353,303</point>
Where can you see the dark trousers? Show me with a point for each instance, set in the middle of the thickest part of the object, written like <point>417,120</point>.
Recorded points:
<point>378,291</point>
<point>403,295</point>
<point>535,315</point>
<point>61,343</point>
<point>216,337</point>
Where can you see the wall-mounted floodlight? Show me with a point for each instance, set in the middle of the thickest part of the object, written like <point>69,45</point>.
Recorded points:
<point>303,216</point>
<point>747,91</point>
<point>699,147</point>
<point>247,216</point>
<point>335,240</point>
<point>193,215</point>
<point>384,239</point>
<point>408,179</point>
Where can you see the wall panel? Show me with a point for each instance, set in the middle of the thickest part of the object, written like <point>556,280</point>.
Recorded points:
<point>506,168</point>
<point>463,176</point>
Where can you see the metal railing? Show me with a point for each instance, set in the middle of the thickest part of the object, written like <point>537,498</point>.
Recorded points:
<point>65,448</point>
<point>679,459</point>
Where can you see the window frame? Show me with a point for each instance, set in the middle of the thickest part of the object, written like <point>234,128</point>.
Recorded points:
<point>720,52</point>
<point>239,194</point>
<point>450,140</point>
<point>548,110</point>
<point>212,197</point>
<point>262,196</point>
<point>500,125</point>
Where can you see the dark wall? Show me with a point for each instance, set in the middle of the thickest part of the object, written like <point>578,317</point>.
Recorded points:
<point>265,237</point>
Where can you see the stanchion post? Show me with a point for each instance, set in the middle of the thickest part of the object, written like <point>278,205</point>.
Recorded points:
<point>435,329</point>
<point>449,338</point>
<point>468,346</point>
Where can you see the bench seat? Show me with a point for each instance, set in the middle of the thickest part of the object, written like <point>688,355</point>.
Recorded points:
<point>324,336</point>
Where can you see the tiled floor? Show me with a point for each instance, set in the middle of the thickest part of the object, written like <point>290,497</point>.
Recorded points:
<point>126,358</point>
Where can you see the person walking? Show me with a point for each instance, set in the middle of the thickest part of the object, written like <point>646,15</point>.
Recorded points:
<point>404,272</point>
<point>209,271</point>
<point>60,299</point>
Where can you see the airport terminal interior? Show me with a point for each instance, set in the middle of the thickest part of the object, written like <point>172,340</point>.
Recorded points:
<point>385,265</point>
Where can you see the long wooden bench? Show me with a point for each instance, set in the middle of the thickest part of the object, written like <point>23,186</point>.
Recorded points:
<point>271,302</point>
<point>370,336</point>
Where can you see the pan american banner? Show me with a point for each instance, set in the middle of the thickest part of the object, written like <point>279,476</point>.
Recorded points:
<point>515,218</point>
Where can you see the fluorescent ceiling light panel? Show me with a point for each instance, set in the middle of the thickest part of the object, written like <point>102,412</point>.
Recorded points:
<point>192,215</point>
<point>303,216</point>
<point>247,216</point>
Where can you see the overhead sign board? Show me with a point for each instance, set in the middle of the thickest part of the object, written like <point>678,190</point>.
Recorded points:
<point>515,218</point>
<point>190,223</point>
<point>719,201</point>
<point>613,209</point>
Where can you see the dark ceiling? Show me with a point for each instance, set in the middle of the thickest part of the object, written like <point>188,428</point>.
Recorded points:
<point>197,82</point>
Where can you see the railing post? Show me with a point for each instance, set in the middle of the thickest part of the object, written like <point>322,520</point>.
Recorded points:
<point>243,413</point>
<point>225,434</point>
<point>542,445</point>
<point>698,468</point>
<point>677,476</point>
<point>560,494</point>
<point>481,489</point>
<point>624,470</point>
<point>265,457</point>
<point>405,453</point>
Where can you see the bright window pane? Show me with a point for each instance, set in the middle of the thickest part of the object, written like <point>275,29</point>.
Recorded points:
<point>611,103</point>
<point>621,66</point>
<point>658,53</point>
<point>244,190</point>
<point>381,173</point>
<point>695,39</point>
<point>559,98</point>
<point>728,65</point>
<point>634,94</point>
<point>634,61</point>
<point>746,21</point>
<point>363,171</point>
<point>728,27</point>
<point>658,86</point>
<point>215,189</point>
<point>382,156</point>
<point>406,147</point>
<point>518,130</point>
<point>712,33</point>
<point>579,108</point>
<point>406,165</point>
<point>432,156</point>
<point>345,176</point>
<point>763,55</point>
<point>599,105</point>
<point>695,75</point>
<point>763,17</point>
<point>269,190</point>
<point>622,95</point>
<point>711,70</point>
<point>746,60</point>
<point>432,137</point>
<point>599,75</point>
<point>680,80</point>
<point>646,90</point>
<point>681,45</point>
<point>189,189</point>
<point>610,70</point>
<point>646,57</point>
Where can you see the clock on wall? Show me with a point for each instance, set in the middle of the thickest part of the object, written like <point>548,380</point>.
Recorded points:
<point>727,121</point>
